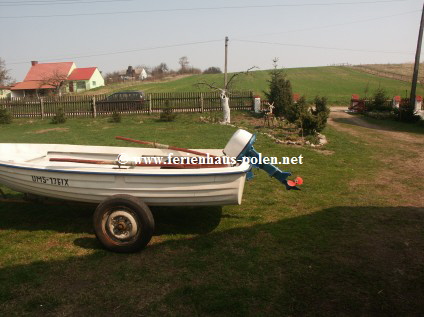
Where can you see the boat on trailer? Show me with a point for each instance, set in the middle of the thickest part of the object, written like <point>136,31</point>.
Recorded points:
<point>124,181</point>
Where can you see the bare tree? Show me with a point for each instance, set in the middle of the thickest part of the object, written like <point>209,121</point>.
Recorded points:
<point>224,92</point>
<point>113,77</point>
<point>160,70</point>
<point>55,79</point>
<point>4,73</point>
<point>183,61</point>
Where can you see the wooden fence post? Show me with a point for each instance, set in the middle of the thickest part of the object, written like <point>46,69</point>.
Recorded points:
<point>42,108</point>
<point>93,101</point>
<point>150,103</point>
<point>201,103</point>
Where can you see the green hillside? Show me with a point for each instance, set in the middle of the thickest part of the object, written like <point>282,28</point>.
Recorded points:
<point>335,82</point>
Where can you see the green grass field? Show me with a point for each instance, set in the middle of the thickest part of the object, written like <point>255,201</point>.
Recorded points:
<point>337,83</point>
<point>341,246</point>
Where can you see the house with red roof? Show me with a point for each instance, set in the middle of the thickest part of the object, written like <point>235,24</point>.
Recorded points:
<point>82,79</point>
<point>54,78</point>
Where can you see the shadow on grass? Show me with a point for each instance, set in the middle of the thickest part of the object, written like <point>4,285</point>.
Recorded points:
<point>78,218</point>
<point>338,261</point>
<point>172,221</point>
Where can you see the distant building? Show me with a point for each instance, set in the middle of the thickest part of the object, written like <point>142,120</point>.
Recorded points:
<point>133,74</point>
<point>143,74</point>
<point>82,79</point>
<point>51,78</point>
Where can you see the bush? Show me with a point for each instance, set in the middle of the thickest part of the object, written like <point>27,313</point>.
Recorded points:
<point>405,112</point>
<point>313,139</point>
<point>189,70</point>
<point>322,112</point>
<point>167,113</point>
<point>116,117</point>
<point>5,116</point>
<point>60,117</point>
<point>381,115</point>
<point>213,70</point>
<point>379,102</point>
<point>310,119</point>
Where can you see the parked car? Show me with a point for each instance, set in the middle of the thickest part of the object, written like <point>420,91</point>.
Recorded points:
<point>122,101</point>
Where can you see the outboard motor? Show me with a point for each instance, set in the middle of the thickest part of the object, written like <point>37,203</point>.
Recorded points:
<point>241,147</point>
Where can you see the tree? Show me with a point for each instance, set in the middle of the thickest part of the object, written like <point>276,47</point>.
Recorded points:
<point>160,70</point>
<point>55,79</point>
<point>380,100</point>
<point>167,113</point>
<point>4,73</point>
<point>280,90</point>
<point>113,77</point>
<point>224,92</point>
<point>183,61</point>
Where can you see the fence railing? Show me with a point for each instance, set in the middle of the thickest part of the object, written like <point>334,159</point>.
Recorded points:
<point>98,105</point>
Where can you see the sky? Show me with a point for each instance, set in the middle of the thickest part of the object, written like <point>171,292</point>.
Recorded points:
<point>113,34</point>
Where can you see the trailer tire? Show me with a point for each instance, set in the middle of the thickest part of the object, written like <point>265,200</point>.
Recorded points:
<point>123,223</point>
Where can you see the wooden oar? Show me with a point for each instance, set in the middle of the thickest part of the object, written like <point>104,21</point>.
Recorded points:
<point>164,146</point>
<point>109,162</point>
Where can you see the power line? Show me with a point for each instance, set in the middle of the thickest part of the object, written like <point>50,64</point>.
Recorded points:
<point>322,47</point>
<point>38,1</point>
<point>339,24</point>
<point>203,9</point>
<point>240,40</point>
<point>120,52</point>
<point>43,3</point>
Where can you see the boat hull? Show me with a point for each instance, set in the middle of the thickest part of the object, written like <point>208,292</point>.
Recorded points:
<point>169,187</point>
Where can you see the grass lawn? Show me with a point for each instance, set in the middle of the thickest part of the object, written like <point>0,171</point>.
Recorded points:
<point>336,83</point>
<point>341,246</point>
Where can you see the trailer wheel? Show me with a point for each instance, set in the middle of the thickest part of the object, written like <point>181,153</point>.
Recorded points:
<point>123,223</point>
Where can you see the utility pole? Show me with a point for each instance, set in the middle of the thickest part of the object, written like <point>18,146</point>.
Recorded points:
<point>417,64</point>
<point>226,63</point>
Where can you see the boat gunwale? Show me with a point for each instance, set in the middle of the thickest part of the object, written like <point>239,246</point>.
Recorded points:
<point>127,171</point>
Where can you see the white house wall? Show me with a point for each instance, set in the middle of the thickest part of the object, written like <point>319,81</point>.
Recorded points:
<point>96,77</point>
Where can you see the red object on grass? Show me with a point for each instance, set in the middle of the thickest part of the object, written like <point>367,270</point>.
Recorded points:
<point>355,97</point>
<point>297,181</point>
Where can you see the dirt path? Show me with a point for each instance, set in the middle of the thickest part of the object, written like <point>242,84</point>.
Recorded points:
<point>401,176</point>
<point>338,115</point>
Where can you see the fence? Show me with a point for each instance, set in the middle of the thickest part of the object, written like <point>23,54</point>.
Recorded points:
<point>93,106</point>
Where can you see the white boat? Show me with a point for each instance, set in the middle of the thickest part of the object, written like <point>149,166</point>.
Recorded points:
<point>27,168</point>
<point>124,188</point>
